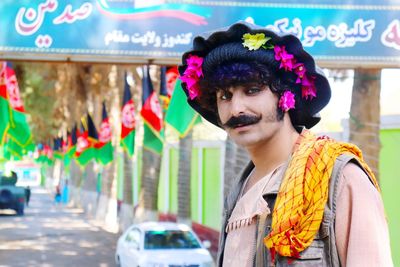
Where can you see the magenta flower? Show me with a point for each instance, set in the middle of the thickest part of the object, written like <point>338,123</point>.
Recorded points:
<point>192,75</point>
<point>194,91</point>
<point>308,90</point>
<point>287,60</point>
<point>189,77</point>
<point>287,101</point>
<point>300,70</point>
<point>194,63</point>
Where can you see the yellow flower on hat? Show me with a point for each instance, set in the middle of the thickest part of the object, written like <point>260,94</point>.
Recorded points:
<point>254,41</point>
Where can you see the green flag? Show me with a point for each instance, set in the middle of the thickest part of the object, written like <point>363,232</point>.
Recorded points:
<point>128,121</point>
<point>57,148</point>
<point>151,141</point>
<point>180,116</point>
<point>13,150</point>
<point>4,105</point>
<point>19,129</point>
<point>4,118</point>
<point>85,147</point>
<point>71,147</point>
<point>44,154</point>
<point>151,113</point>
<point>18,126</point>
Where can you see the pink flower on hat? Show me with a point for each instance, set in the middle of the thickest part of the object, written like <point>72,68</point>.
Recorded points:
<point>308,90</point>
<point>194,91</point>
<point>300,71</point>
<point>194,63</point>
<point>287,60</point>
<point>192,75</point>
<point>287,101</point>
<point>189,77</point>
<point>288,63</point>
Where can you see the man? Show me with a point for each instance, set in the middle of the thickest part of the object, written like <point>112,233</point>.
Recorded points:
<point>303,200</point>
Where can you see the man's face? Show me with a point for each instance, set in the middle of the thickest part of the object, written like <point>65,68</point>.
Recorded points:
<point>248,114</point>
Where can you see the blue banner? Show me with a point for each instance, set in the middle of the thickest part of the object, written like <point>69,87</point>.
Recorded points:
<point>159,31</point>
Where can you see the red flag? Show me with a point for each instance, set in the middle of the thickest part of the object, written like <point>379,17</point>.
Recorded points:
<point>10,89</point>
<point>128,121</point>
<point>15,122</point>
<point>82,142</point>
<point>85,148</point>
<point>104,146</point>
<point>151,109</point>
<point>171,75</point>
<point>168,78</point>
<point>105,129</point>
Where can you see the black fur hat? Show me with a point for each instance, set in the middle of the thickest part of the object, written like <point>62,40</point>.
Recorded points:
<point>226,45</point>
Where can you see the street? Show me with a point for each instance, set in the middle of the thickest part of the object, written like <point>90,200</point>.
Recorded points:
<point>49,235</point>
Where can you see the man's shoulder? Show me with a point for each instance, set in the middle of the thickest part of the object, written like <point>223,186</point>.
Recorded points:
<point>355,178</point>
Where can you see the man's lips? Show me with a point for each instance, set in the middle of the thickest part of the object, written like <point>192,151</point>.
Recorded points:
<point>242,125</point>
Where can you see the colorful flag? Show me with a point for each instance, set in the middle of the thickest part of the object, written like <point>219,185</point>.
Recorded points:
<point>128,121</point>
<point>180,116</point>
<point>37,153</point>
<point>104,146</point>
<point>18,129</point>
<point>57,148</point>
<point>64,145</point>
<point>4,105</point>
<point>48,155</point>
<point>44,154</point>
<point>13,151</point>
<point>167,84</point>
<point>164,98</point>
<point>87,139</point>
<point>152,115</point>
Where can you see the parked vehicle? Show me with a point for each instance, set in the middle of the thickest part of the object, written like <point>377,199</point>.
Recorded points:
<point>12,196</point>
<point>161,244</point>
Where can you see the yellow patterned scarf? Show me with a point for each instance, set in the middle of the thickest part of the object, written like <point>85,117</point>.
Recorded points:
<point>300,203</point>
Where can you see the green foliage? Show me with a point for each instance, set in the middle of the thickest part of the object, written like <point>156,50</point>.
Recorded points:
<point>36,81</point>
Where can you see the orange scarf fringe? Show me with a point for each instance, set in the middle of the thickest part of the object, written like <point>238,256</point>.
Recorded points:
<point>300,203</point>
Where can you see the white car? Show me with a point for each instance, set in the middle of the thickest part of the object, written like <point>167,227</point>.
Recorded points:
<point>162,244</point>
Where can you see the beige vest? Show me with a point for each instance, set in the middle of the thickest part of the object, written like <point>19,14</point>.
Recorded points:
<point>321,252</point>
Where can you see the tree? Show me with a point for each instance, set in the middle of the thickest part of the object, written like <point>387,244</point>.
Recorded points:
<point>127,196</point>
<point>365,115</point>
<point>229,165</point>
<point>150,179</point>
<point>37,82</point>
<point>185,156</point>
<point>236,158</point>
<point>151,163</point>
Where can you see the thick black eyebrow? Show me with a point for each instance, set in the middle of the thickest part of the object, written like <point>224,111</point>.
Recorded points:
<point>245,85</point>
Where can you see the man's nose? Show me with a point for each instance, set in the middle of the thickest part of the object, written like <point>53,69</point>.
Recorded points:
<point>238,105</point>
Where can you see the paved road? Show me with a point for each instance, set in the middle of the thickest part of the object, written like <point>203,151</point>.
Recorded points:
<point>50,235</point>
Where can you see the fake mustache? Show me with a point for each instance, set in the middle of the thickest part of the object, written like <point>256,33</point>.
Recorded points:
<point>242,120</point>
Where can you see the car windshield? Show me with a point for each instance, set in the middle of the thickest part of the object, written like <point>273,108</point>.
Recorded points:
<point>170,239</point>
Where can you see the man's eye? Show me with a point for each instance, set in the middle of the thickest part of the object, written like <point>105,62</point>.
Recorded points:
<point>253,90</point>
<point>225,95</point>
